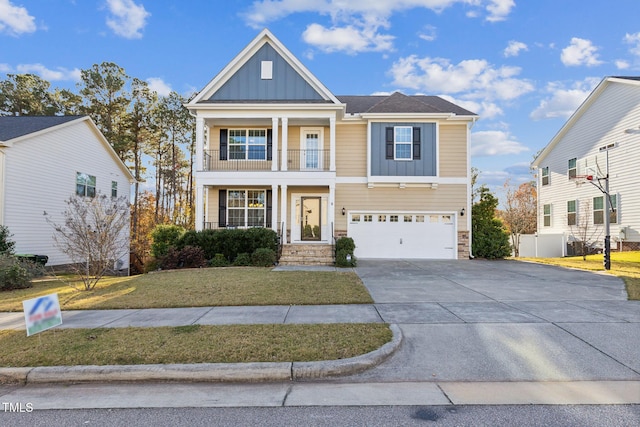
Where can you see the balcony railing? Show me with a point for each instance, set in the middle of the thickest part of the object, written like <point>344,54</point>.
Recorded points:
<point>297,160</point>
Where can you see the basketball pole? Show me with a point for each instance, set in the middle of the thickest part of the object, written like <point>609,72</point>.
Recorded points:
<point>607,217</point>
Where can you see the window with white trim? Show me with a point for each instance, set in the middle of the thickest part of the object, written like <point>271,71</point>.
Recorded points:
<point>114,189</point>
<point>85,185</point>
<point>403,142</point>
<point>247,144</point>
<point>546,215</point>
<point>246,208</point>
<point>572,168</point>
<point>545,175</point>
<point>571,212</point>
<point>599,208</point>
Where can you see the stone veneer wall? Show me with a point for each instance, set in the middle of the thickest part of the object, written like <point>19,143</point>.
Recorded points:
<point>463,245</point>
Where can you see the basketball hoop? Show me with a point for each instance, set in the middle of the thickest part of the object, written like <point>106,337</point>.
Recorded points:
<point>581,179</point>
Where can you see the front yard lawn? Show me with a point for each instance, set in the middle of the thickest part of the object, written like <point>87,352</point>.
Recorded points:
<point>625,265</point>
<point>204,287</point>
<point>191,344</point>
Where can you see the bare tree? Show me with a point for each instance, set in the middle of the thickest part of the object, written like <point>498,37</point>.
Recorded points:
<point>519,214</point>
<point>585,234</point>
<point>94,235</point>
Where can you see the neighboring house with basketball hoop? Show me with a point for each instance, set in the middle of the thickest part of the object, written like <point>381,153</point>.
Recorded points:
<point>598,145</point>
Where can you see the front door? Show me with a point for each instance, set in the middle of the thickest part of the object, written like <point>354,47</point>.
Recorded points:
<point>310,217</point>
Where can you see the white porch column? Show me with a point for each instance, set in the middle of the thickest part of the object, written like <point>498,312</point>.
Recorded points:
<point>274,145</point>
<point>332,144</point>
<point>199,144</point>
<point>285,142</point>
<point>332,208</point>
<point>199,219</point>
<point>274,207</point>
<point>283,210</point>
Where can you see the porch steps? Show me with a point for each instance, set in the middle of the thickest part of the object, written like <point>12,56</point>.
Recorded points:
<point>306,254</point>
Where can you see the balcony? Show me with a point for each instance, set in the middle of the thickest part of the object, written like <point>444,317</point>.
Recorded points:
<point>297,160</point>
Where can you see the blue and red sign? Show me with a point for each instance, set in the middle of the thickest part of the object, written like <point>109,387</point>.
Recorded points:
<point>42,313</point>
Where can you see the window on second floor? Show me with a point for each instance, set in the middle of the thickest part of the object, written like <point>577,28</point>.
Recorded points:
<point>85,185</point>
<point>599,209</point>
<point>572,168</point>
<point>571,213</point>
<point>247,144</point>
<point>402,142</point>
<point>545,175</point>
<point>546,215</point>
<point>114,189</point>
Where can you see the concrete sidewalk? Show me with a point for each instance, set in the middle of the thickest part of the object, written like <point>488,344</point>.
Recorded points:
<point>465,332</point>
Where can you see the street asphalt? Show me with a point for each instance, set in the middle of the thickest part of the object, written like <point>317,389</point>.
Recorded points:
<point>465,332</point>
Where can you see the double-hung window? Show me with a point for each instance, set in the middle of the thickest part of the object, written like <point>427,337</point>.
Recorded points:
<point>545,176</point>
<point>246,208</point>
<point>572,168</point>
<point>114,189</point>
<point>599,209</point>
<point>247,144</point>
<point>571,212</point>
<point>85,185</point>
<point>546,215</point>
<point>403,142</point>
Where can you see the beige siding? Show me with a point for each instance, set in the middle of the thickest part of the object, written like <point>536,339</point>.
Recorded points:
<point>453,151</point>
<point>351,150</point>
<point>357,197</point>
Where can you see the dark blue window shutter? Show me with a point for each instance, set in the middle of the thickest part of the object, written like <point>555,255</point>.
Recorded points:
<point>269,209</point>
<point>389,143</point>
<point>416,143</point>
<point>269,144</point>
<point>223,144</point>
<point>222,208</point>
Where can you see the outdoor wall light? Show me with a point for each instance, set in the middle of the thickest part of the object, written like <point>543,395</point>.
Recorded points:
<point>462,212</point>
<point>344,212</point>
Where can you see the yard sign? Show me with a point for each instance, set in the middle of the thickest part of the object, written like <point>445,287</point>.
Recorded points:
<point>42,313</point>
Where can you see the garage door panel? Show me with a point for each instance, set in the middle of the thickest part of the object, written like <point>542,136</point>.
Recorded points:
<point>392,235</point>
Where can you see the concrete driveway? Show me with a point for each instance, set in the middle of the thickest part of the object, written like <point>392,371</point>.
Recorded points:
<point>482,320</point>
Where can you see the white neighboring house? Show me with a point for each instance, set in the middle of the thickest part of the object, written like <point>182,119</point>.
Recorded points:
<point>43,161</point>
<point>609,117</point>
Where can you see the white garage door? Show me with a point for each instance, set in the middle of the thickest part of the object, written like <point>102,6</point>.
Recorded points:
<point>403,235</point>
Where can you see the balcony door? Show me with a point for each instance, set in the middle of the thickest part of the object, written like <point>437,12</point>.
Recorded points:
<point>311,148</point>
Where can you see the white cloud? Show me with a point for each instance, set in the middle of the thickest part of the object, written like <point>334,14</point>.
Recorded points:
<point>159,86</point>
<point>127,18</point>
<point>499,9</point>
<point>356,24</point>
<point>514,48</point>
<point>347,39</point>
<point>580,52</point>
<point>475,78</point>
<point>494,143</point>
<point>634,41</point>
<point>428,33</point>
<point>621,64</point>
<point>485,109</point>
<point>15,20</point>
<point>48,74</point>
<point>563,101</point>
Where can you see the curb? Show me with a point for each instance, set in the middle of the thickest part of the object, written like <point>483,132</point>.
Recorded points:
<point>203,372</point>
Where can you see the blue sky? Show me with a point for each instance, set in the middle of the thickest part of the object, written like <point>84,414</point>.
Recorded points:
<point>523,66</point>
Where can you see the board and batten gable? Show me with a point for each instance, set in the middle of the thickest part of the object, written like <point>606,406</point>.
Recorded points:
<point>283,84</point>
<point>40,174</point>
<point>382,165</point>
<point>601,121</point>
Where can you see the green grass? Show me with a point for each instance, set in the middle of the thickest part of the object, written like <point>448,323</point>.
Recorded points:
<point>625,265</point>
<point>195,343</point>
<point>191,344</point>
<point>200,287</point>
